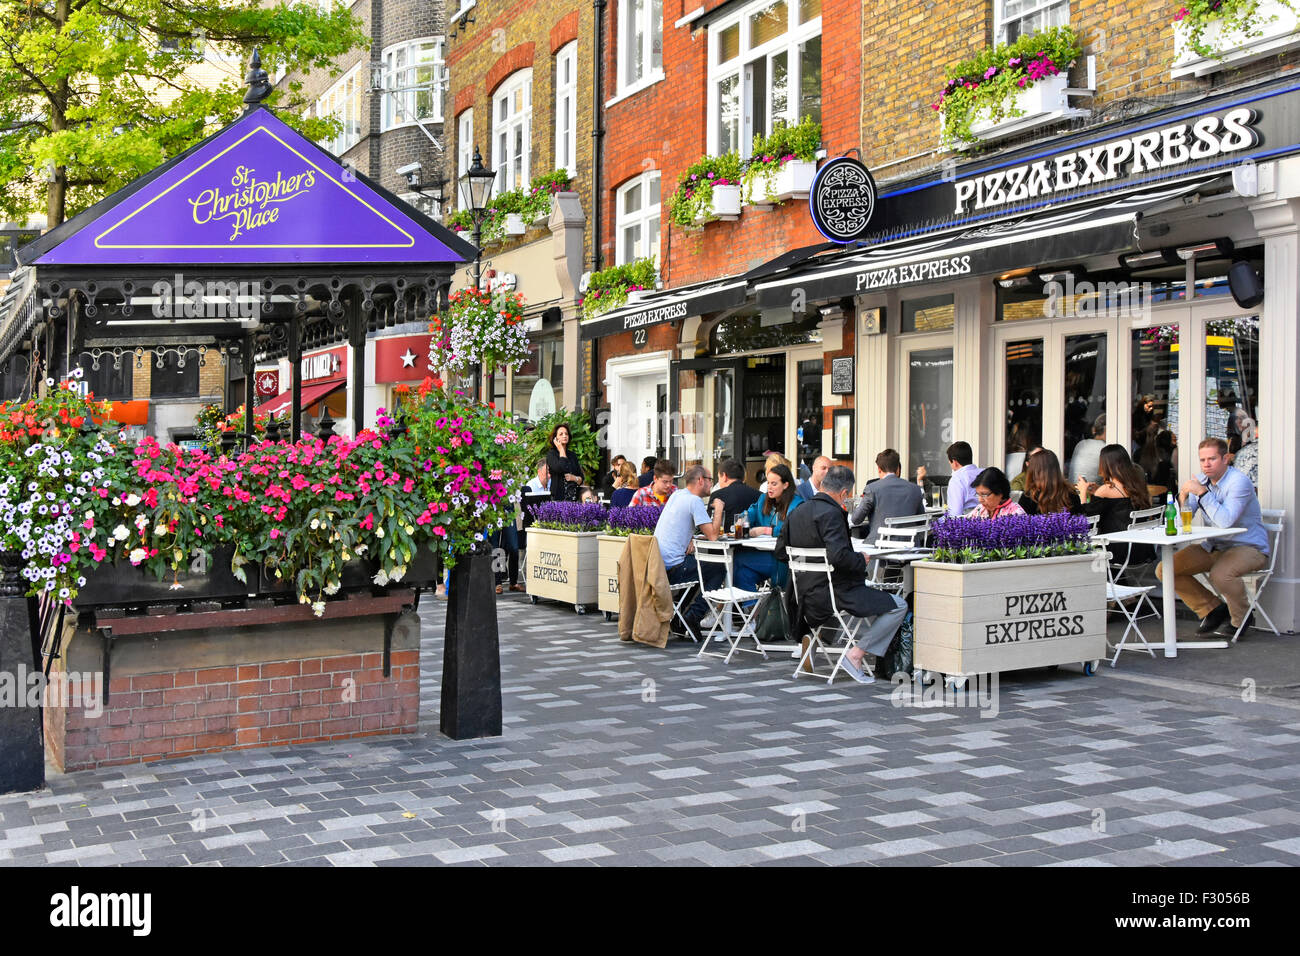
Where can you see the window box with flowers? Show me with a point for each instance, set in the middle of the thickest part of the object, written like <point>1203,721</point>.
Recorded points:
<point>783,165</point>
<point>709,190</point>
<point>1214,35</point>
<point>1009,88</point>
<point>541,194</point>
<point>610,288</point>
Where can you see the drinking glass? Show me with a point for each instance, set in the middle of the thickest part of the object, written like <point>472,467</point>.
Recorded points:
<point>1187,520</point>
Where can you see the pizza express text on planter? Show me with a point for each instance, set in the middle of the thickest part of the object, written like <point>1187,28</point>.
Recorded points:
<point>842,200</point>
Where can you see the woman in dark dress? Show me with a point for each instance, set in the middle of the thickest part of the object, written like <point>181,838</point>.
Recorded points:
<point>1123,490</point>
<point>1046,490</point>
<point>566,470</point>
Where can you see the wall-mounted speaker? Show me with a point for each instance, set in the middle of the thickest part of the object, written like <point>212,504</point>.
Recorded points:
<point>1245,284</point>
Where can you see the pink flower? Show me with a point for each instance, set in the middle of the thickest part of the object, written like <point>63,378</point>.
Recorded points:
<point>275,533</point>
<point>1182,12</point>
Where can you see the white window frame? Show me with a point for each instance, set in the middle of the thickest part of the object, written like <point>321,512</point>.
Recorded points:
<point>1001,22</point>
<point>464,8</point>
<point>649,27</point>
<point>332,101</point>
<point>464,141</point>
<point>397,108</point>
<point>795,35</point>
<point>566,109</point>
<point>646,215</point>
<point>503,162</point>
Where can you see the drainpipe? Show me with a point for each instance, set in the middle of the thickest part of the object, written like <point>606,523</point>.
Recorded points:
<point>597,141</point>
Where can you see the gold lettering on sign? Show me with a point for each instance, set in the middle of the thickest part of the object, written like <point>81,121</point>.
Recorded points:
<point>247,202</point>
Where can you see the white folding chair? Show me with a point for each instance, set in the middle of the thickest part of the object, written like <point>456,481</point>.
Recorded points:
<point>889,577</point>
<point>725,601</point>
<point>681,593</point>
<point>1120,595</point>
<point>911,522</point>
<point>843,626</point>
<point>1256,581</point>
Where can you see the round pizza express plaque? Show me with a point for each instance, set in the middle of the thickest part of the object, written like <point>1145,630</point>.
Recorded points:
<point>842,200</point>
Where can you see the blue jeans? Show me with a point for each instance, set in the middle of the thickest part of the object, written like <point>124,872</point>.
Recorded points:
<point>714,576</point>
<point>752,568</point>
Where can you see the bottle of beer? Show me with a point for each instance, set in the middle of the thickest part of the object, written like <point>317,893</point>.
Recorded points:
<point>1171,517</point>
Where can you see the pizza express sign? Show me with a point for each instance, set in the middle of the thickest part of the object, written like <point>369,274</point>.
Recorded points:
<point>842,200</point>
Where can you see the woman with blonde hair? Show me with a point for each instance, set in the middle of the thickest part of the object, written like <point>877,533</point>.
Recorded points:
<point>772,460</point>
<point>625,485</point>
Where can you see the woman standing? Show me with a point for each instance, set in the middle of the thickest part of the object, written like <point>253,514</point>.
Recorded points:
<point>625,486</point>
<point>1046,490</point>
<point>566,470</point>
<point>766,517</point>
<point>994,494</point>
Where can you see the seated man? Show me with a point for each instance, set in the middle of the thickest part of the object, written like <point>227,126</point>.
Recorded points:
<point>541,485</point>
<point>1225,498</point>
<point>683,516</point>
<point>732,497</point>
<point>808,489</point>
<point>822,523</point>
<point>656,492</point>
<point>887,497</point>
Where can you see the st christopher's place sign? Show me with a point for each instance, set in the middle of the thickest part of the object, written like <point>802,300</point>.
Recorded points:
<point>842,200</point>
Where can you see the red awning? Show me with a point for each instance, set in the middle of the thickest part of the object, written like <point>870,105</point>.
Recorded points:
<point>311,394</point>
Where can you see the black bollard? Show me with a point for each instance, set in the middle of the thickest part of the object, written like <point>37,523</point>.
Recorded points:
<point>22,747</point>
<point>471,663</point>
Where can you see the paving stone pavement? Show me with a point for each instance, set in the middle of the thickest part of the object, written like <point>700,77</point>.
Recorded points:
<point>625,755</point>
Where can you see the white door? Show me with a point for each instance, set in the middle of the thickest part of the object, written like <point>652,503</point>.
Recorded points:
<point>634,418</point>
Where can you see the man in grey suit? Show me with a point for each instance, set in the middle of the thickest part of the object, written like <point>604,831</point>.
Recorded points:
<point>808,488</point>
<point>887,497</point>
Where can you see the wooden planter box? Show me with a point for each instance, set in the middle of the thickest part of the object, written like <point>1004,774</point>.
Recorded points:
<point>562,566</point>
<point>610,549</point>
<point>1009,615</point>
<point>1275,30</point>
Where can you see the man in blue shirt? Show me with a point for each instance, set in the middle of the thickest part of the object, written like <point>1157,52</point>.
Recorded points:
<point>961,487</point>
<point>1224,498</point>
<point>682,515</point>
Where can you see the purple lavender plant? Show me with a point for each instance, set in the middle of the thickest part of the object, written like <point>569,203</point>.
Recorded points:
<point>639,520</point>
<point>976,540</point>
<point>569,516</point>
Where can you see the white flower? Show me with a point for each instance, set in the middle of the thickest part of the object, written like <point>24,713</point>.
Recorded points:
<point>379,532</point>
<point>381,578</point>
<point>315,524</point>
<point>119,533</point>
<point>141,522</point>
<point>138,555</point>
<point>318,608</point>
<point>132,500</point>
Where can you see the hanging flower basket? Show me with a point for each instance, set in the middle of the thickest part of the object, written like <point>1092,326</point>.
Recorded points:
<point>479,326</point>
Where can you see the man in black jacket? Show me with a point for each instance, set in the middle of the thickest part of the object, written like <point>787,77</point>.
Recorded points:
<point>822,523</point>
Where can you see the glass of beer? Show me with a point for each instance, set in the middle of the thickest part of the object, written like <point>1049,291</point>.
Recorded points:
<point>1187,520</point>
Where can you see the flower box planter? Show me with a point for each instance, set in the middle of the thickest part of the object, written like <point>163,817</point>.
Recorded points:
<point>1008,615</point>
<point>544,214</point>
<point>1044,102</point>
<point>562,566</point>
<point>724,204</point>
<point>792,180</point>
<point>514,224</point>
<point>610,549</point>
<point>126,584</point>
<point>1275,28</point>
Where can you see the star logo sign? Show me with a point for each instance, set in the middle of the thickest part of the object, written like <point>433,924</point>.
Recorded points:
<point>408,360</point>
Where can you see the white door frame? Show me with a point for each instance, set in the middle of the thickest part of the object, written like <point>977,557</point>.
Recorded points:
<point>631,366</point>
<point>906,345</point>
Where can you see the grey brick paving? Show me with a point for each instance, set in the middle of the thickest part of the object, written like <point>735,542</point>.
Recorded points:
<point>616,754</point>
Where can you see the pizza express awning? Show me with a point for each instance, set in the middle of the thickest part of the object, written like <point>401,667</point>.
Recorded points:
<point>669,306</point>
<point>1039,240</point>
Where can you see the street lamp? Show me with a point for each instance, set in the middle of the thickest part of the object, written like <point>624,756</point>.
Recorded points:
<point>475,190</point>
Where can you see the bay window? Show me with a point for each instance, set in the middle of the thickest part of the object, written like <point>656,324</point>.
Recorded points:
<point>765,68</point>
<point>412,83</point>
<point>342,102</point>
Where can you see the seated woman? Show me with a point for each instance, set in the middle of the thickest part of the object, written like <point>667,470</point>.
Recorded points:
<point>994,494</point>
<point>625,486</point>
<point>766,517</point>
<point>1046,490</point>
<point>1122,491</point>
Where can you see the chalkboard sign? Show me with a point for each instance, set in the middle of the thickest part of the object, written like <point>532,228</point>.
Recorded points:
<point>842,376</point>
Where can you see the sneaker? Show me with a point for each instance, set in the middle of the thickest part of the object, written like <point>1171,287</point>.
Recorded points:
<point>856,672</point>
<point>709,620</point>
<point>1211,622</point>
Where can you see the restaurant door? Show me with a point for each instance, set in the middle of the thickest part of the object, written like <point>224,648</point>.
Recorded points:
<point>704,418</point>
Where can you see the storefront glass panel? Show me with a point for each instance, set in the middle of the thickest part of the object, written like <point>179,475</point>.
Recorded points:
<point>934,313</point>
<point>749,333</point>
<point>538,385</point>
<point>764,421</point>
<point>1085,404</point>
<point>929,389</point>
<point>1155,405</point>
<point>1232,389</point>
<point>810,410</point>
<point>1024,391</point>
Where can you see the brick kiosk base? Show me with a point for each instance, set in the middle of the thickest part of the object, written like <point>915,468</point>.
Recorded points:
<point>194,690</point>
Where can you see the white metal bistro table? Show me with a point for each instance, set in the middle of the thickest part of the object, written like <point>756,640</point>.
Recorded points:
<point>1167,543</point>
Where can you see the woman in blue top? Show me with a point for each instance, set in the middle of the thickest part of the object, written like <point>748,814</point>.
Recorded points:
<point>767,516</point>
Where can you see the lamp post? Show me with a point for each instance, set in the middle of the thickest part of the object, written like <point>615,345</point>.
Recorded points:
<point>475,187</point>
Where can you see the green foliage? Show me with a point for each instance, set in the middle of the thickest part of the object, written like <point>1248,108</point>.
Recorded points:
<point>1239,17</point>
<point>985,86</point>
<point>786,143</point>
<point>93,94</point>
<point>609,288</point>
<point>692,201</point>
<point>582,440</point>
<point>528,203</point>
